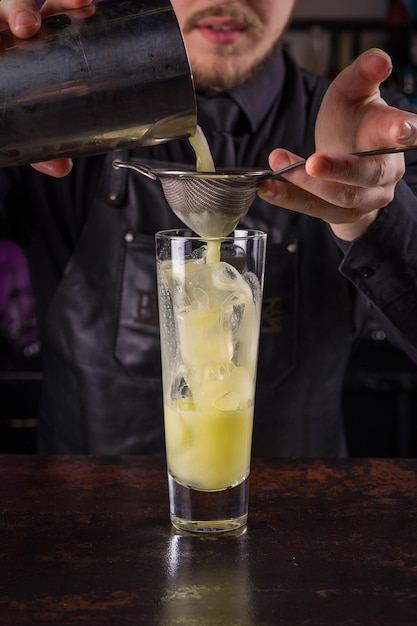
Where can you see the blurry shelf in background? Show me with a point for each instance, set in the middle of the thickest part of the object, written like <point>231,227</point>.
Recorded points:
<point>342,24</point>
<point>326,46</point>
<point>356,28</point>
<point>328,9</point>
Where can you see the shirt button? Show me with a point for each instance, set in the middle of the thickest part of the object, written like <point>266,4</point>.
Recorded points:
<point>366,272</point>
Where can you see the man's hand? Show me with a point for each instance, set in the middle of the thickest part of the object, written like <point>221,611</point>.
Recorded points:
<point>23,18</point>
<point>346,191</point>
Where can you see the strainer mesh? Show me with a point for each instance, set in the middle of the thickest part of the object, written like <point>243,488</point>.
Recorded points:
<point>186,195</point>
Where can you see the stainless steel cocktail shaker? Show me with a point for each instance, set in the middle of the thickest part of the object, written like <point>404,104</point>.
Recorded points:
<point>110,77</point>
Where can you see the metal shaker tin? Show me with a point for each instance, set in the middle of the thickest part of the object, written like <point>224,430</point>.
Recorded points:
<point>113,76</point>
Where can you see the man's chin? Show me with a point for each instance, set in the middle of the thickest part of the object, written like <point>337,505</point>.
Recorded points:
<point>225,73</point>
<point>218,80</point>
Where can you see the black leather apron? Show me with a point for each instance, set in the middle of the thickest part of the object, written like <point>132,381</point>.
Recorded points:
<point>102,388</point>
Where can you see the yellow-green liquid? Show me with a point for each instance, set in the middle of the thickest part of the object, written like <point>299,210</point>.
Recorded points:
<point>208,430</point>
<point>209,433</point>
<point>208,450</point>
<point>205,163</point>
<point>204,160</point>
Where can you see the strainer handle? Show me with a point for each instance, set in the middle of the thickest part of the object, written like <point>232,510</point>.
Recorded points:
<point>138,167</point>
<point>364,153</point>
<point>278,173</point>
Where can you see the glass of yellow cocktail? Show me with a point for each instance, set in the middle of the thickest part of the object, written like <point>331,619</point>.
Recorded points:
<point>210,293</point>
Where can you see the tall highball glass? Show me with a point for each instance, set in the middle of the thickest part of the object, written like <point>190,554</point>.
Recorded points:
<point>210,293</point>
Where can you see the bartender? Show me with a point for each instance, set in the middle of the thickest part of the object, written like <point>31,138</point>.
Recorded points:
<point>341,238</point>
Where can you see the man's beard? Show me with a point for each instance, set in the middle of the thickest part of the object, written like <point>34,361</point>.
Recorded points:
<point>226,75</point>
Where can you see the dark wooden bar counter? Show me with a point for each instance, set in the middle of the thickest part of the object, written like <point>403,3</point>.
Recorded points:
<point>87,540</point>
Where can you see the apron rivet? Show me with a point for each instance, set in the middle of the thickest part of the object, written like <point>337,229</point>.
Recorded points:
<point>292,247</point>
<point>113,196</point>
<point>128,237</point>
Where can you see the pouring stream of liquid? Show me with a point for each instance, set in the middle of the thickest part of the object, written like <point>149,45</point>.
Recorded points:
<point>205,163</point>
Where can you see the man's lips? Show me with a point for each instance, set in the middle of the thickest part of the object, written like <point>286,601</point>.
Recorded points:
<point>220,30</point>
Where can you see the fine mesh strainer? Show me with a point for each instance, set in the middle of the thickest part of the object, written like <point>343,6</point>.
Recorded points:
<point>212,203</point>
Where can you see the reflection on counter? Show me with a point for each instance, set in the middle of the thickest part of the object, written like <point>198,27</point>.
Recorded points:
<point>200,590</point>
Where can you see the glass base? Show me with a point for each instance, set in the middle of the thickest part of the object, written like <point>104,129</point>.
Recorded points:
<point>208,511</point>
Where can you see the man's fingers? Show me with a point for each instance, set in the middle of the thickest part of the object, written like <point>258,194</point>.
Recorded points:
<point>364,76</point>
<point>344,205</point>
<point>56,167</point>
<point>55,6</point>
<point>336,188</point>
<point>22,17</point>
<point>365,172</point>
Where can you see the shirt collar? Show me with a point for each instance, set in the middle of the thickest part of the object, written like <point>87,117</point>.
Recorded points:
<point>255,96</point>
